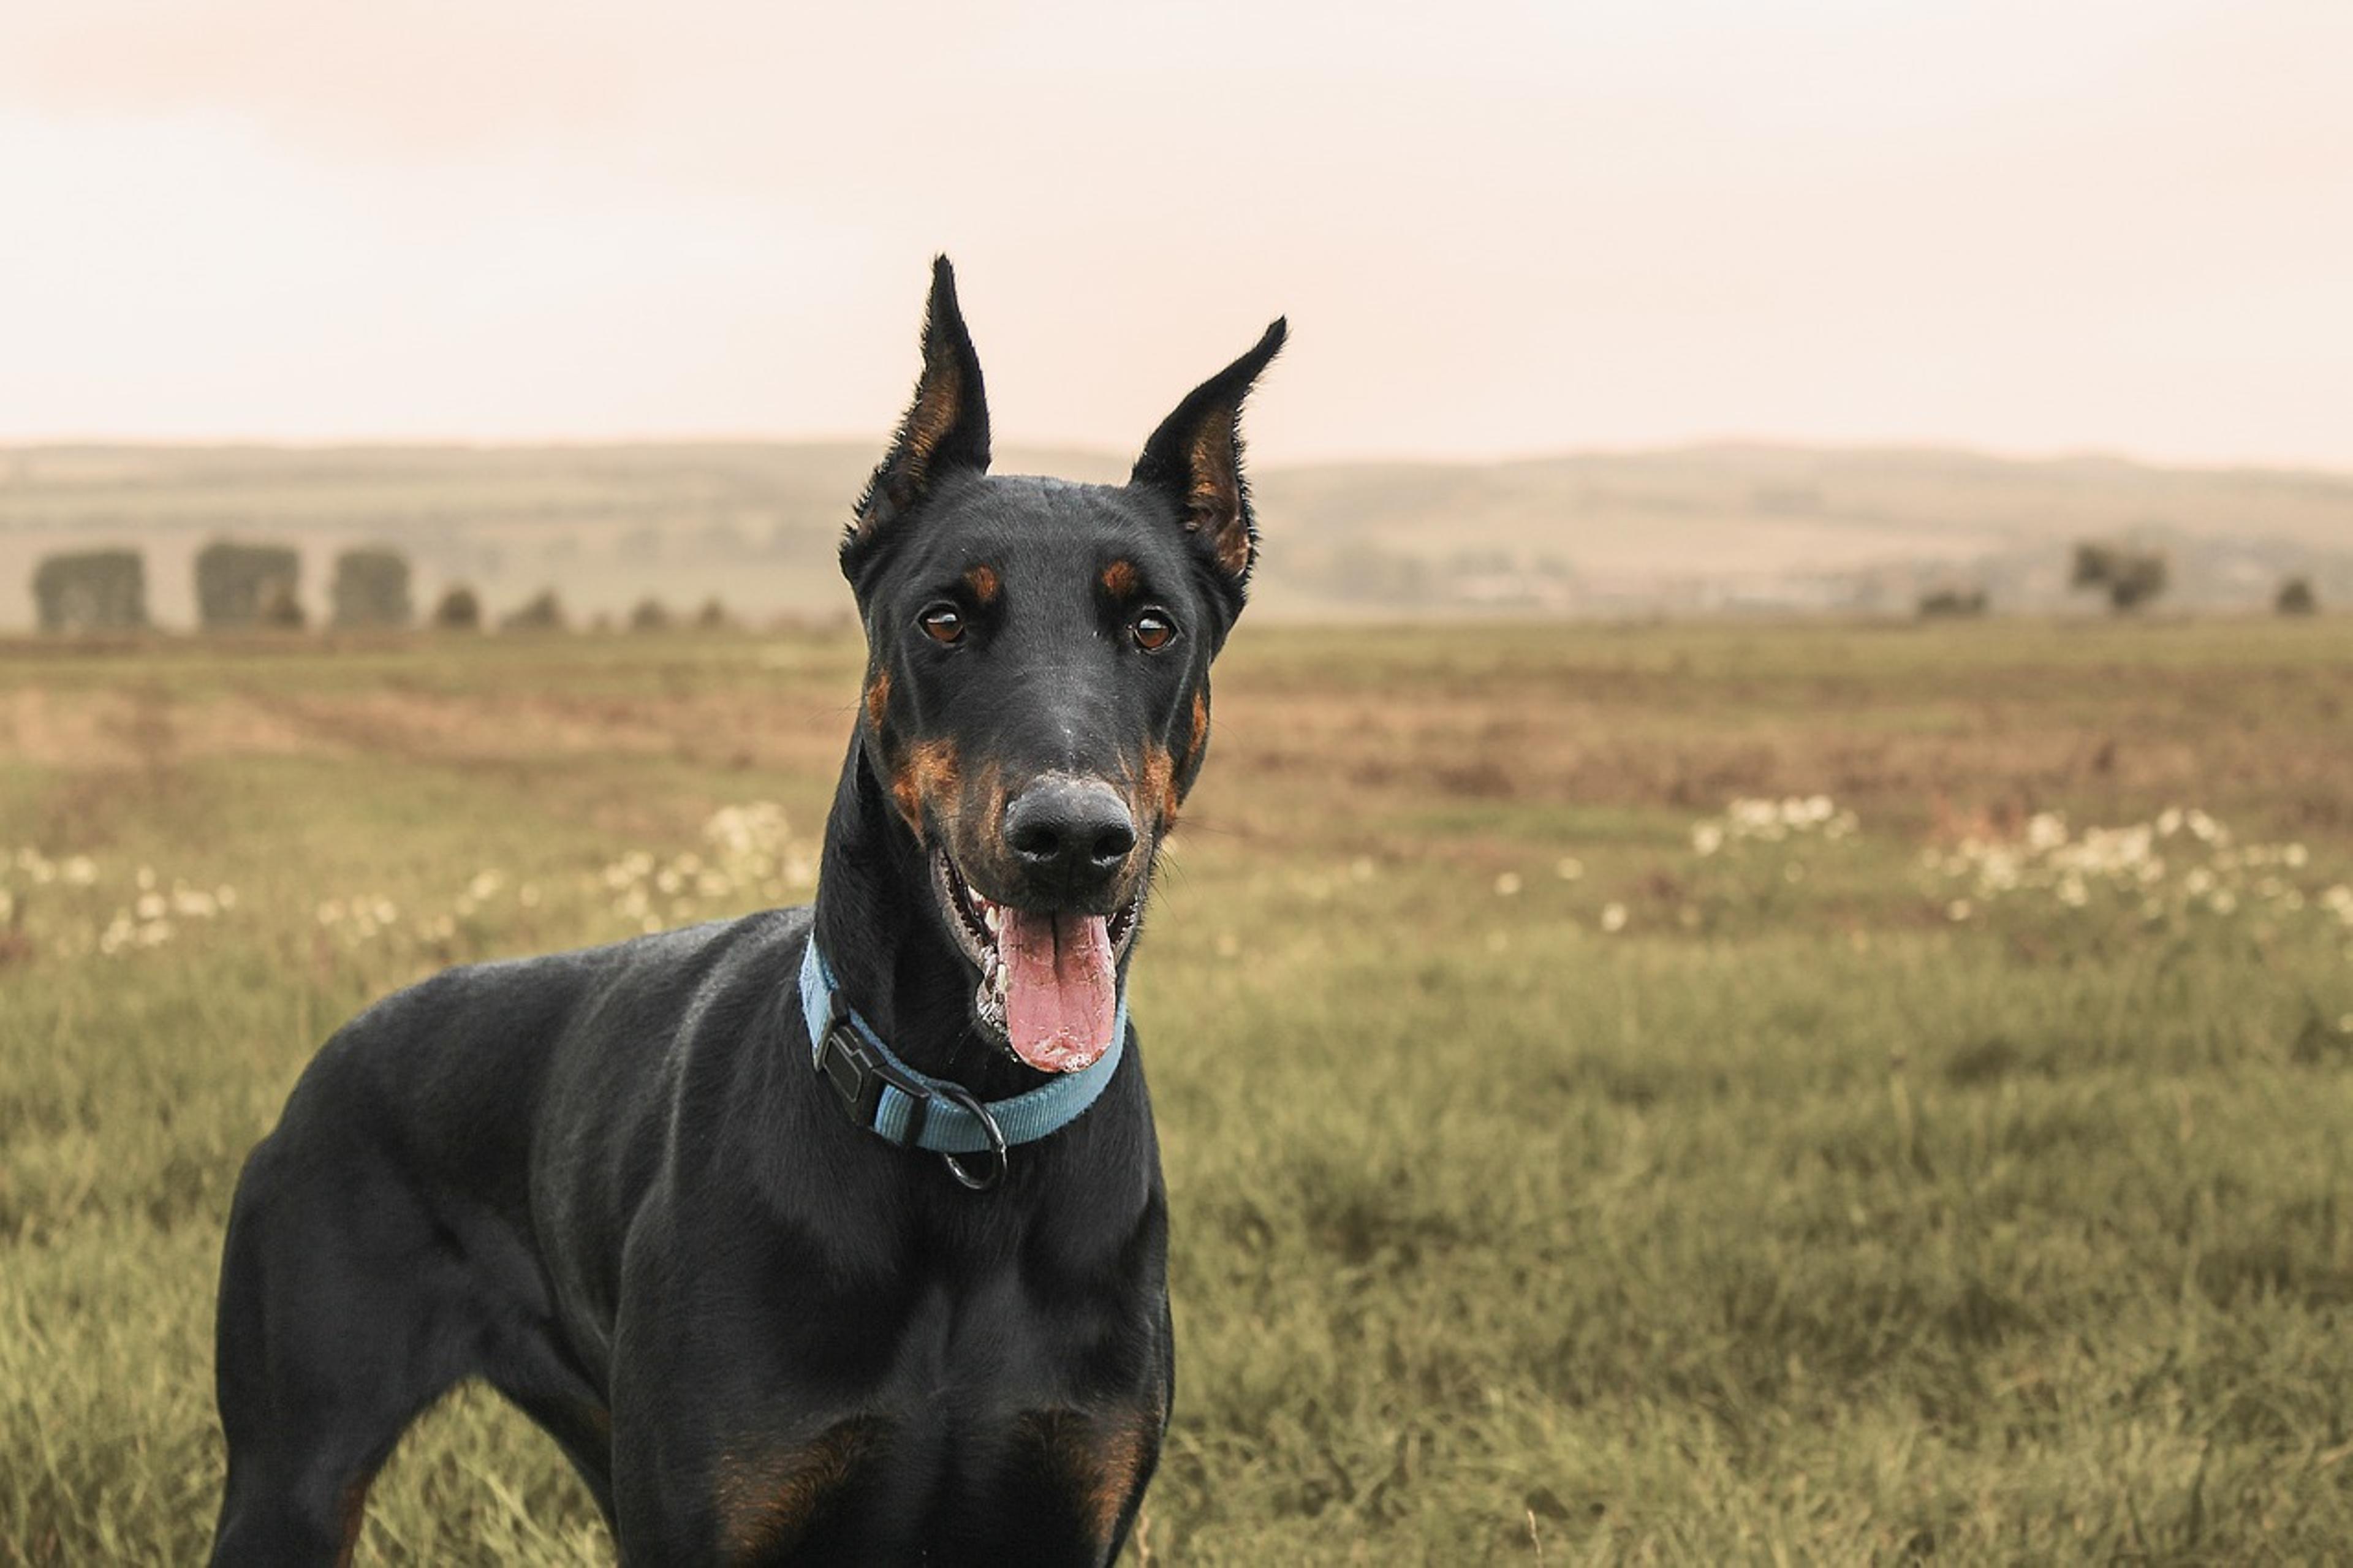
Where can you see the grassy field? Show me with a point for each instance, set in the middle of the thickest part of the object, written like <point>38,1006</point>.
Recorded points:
<point>1691,1094</point>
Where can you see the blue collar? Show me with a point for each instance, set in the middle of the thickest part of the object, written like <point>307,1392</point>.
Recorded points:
<point>916,1110</point>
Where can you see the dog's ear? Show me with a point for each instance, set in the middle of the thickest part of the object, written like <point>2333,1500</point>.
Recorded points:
<point>945,429</point>
<point>1196,458</point>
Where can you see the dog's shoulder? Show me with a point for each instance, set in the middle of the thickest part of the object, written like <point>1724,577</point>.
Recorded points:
<point>532,992</point>
<point>491,1032</point>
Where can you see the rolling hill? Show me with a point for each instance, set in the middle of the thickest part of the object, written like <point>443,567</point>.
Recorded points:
<point>1713,529</point>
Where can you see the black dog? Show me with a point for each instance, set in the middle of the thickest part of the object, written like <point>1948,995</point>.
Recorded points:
<point>790,1230</point>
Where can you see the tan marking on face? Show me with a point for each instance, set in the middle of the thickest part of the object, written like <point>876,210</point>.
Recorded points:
<point>1155,791</point>
<point>878,698</point>
<point>1200,735</point>
<point>1119,579</point>
<point>767,1499</point>
<point>992,793</point>
<point>927,775</point>
<point>981,580</point>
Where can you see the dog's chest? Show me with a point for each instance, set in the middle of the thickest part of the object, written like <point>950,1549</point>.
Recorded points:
<point>993,1419</point>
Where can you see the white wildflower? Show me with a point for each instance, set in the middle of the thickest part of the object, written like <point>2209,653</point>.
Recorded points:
<point>1613,917</point>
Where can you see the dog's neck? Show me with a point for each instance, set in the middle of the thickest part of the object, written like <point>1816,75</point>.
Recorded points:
<point>878,928</point>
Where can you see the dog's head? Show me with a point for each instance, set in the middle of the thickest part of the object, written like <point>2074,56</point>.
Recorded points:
<point>1038,679</point>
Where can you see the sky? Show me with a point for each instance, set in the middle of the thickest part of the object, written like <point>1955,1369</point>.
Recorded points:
<point>1496,228</point>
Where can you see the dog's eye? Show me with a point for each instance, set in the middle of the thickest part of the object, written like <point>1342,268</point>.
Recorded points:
<point>943,624</point>
<point>1153,630</point>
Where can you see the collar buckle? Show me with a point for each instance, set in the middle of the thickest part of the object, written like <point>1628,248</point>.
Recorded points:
<point>858,1075</point>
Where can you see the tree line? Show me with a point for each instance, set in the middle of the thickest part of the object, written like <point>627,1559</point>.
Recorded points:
<point>244,586</point>
<point>2128,576</point>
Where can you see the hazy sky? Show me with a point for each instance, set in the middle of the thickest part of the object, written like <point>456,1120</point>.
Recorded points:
<point>1497,227</point>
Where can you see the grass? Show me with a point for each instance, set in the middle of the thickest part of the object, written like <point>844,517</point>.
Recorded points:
<point>1795,1219</point>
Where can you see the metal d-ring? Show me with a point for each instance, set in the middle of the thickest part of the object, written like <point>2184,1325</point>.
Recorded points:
<point>958,1093</point>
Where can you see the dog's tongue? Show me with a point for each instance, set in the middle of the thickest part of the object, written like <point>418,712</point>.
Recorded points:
<point>1060,990</point>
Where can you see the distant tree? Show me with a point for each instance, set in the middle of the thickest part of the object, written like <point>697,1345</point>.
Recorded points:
<point>712,617</point>
<point>1943,603</point>
<point>91,591</point>
<point>544,612</point>
<point>651,616</point>
<point>2296,597</point>
<point>459,610</point>
<point>279,609</point>
<point>371,588</point>
<point>2130,577</point>
<point>236,582</point>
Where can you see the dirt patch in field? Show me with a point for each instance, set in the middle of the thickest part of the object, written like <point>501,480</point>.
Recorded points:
<point>1683,744</point>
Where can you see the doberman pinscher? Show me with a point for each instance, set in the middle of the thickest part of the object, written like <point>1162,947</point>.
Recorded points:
<point>832,1233</point>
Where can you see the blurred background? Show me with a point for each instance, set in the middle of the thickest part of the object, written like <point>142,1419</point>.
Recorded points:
<point>1779,829</point>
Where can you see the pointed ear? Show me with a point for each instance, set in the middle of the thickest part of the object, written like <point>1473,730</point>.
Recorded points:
<point>947,426</point>
<point>1196,458</point>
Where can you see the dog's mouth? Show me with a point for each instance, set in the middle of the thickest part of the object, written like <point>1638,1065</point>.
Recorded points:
<point>1049,980</point>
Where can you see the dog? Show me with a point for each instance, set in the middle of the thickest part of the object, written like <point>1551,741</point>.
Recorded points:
<point>833,1234</point>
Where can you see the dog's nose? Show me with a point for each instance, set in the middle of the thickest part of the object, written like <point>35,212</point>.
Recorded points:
<point>1071,833</point>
